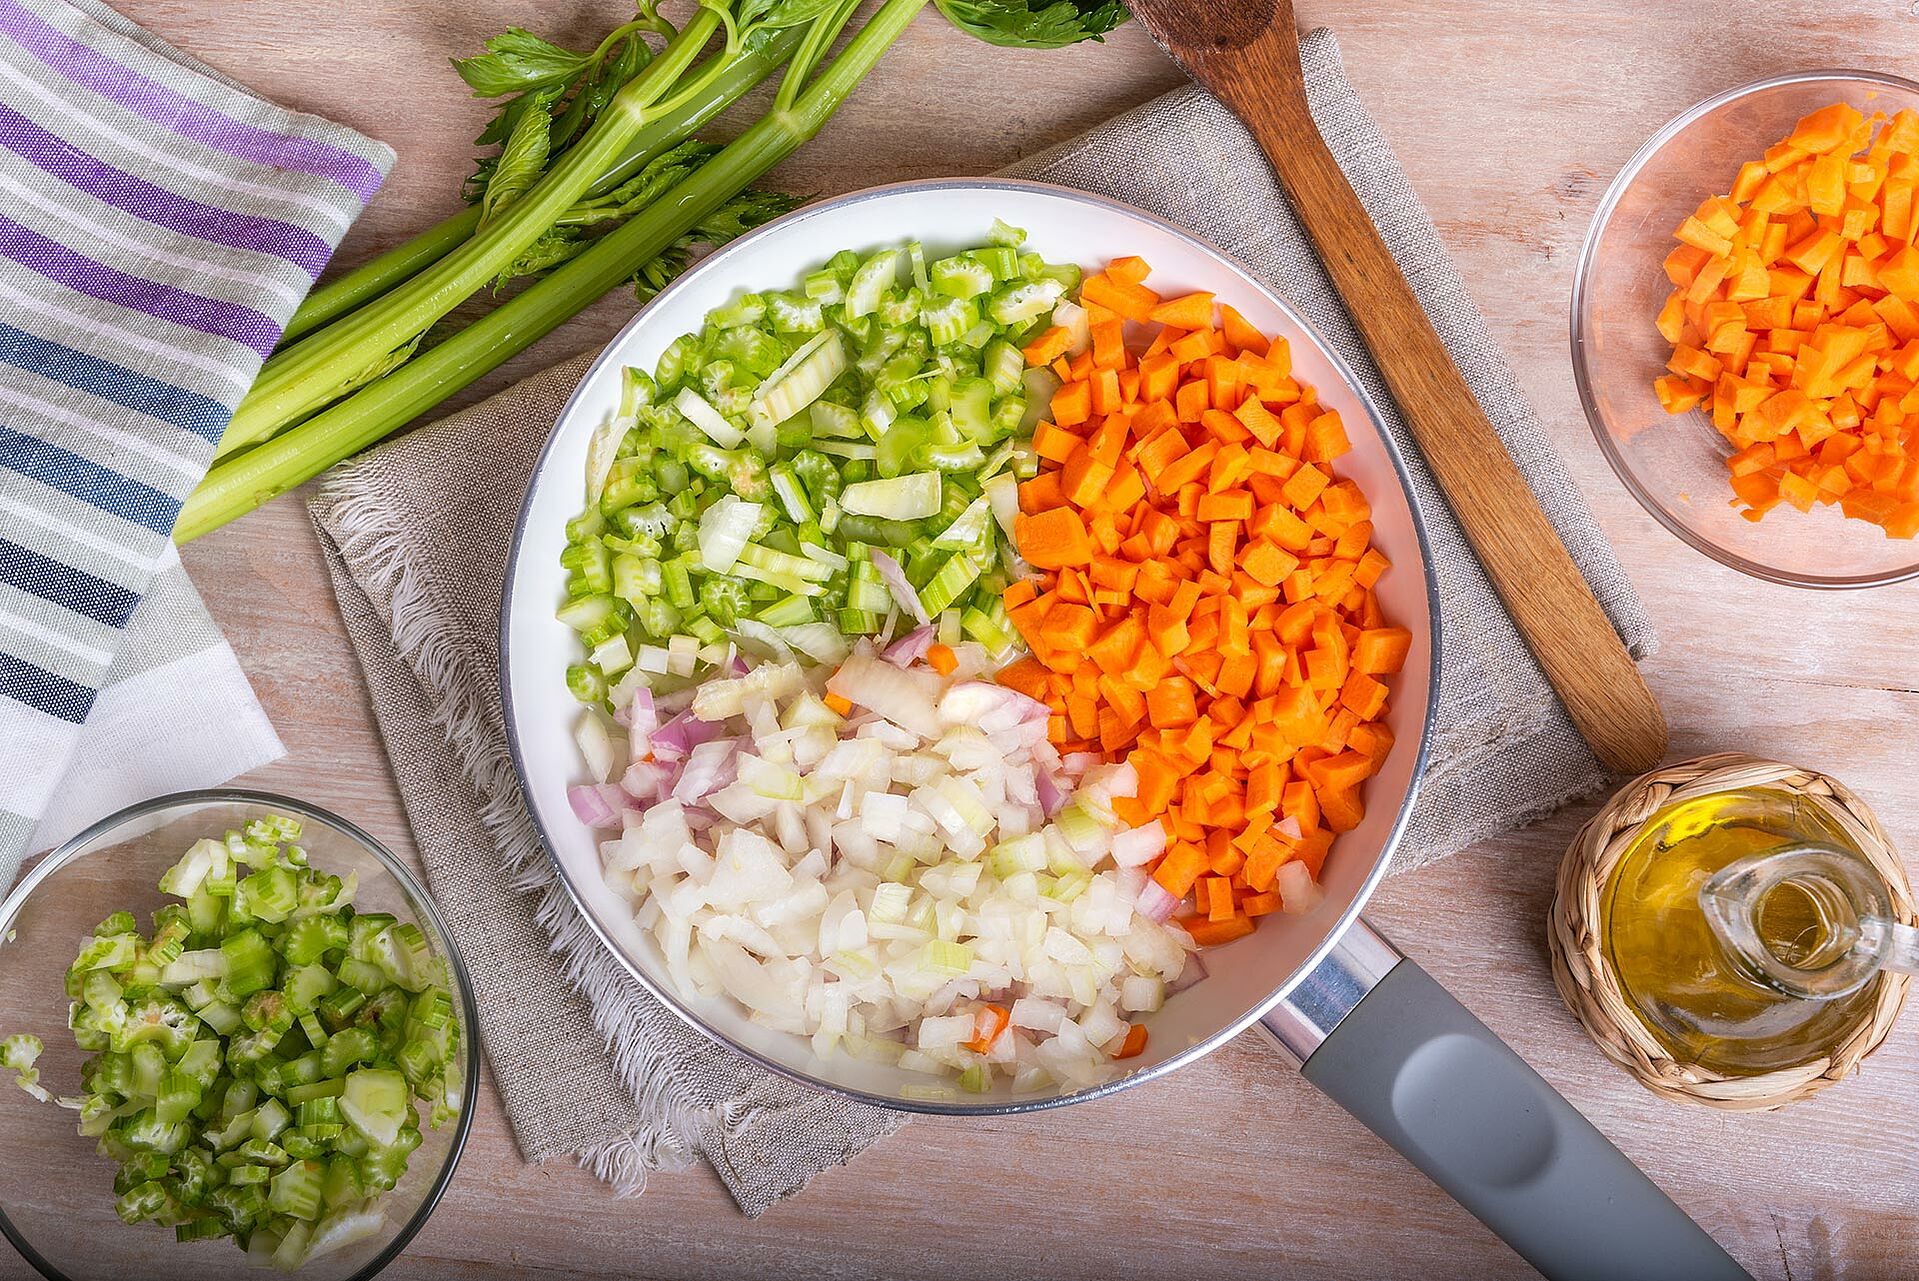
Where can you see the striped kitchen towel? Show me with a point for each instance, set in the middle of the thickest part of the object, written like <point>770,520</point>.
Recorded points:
<point>158,226</point>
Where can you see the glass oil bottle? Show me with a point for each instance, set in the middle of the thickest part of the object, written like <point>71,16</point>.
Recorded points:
<point>1747,929</point>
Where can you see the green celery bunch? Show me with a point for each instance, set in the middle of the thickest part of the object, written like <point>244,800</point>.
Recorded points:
<point>376,277</point>
<point>357,369</point>
<point>524,195</point>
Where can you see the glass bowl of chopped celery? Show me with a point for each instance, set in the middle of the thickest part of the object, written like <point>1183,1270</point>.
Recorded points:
<point>234,1034</point>
<point>1687,344</point>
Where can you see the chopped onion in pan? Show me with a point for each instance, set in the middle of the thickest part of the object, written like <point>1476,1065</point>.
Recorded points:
<point>910,648</point>
<point>590,807</point>
<point>897,583</point>
<point>894,884</point>
<point>1298,892</point>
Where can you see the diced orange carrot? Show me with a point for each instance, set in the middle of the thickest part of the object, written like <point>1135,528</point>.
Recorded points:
<point>1170,704</point>
<point>1326,439</point>
<point>1342,810</point>
<point>1109,352</point>
<point>1233,504</point>
<point>1049,346</point>
<point>1189,311</point>
<point>1129,299</point>
<point>1117,647</point>
<point>1793,294</point>
<point>1260,904</point>
<point>1381,649</point>
<point>1191,399</point>
<point>1304,487</point>
<point>1073,403</point>
<point>1083,479</point>
<point>1178,868</point>
<point>1027,675</point>
<point>1054,444</point>
<point>1053,539</point>
<point>1158,377</point>
<point>1040,493</point>
<point>1241,333</point>
<point>1213,933</point>
<point>1204,607</point>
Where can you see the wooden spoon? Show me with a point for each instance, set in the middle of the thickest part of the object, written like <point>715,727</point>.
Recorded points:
<point>1247,53</point>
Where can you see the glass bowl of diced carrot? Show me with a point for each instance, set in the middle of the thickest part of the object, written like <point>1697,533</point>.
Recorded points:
<point>1745,328</point>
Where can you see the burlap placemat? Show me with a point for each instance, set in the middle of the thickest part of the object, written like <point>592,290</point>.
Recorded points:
<point>416,534</point>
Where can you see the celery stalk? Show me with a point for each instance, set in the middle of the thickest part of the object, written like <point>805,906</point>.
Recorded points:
<point>305,376</point>
<point>380,275</point>
<point>241,484</point>
<point>358,378</point>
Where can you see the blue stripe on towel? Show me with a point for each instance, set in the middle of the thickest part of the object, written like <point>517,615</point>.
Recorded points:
<point>201,415</point>
<point>69,588</point>
<point>44,691</point>
<point>90,482</point>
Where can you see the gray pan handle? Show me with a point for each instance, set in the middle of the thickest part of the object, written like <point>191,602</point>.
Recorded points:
<point>1394,1048</point>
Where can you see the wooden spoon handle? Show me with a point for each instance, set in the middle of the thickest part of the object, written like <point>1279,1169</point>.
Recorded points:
<point>1544,591</point>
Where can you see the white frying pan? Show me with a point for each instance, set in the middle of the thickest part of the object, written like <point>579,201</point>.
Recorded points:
<point>1368,1026</point>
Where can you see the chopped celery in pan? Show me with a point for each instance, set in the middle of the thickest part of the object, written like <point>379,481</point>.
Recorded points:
<point>830,461</point>
<point>256,1057</point>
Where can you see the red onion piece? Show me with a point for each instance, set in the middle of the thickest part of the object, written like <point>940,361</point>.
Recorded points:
<point>675,703</point>
<point>1030,709</point>
<point>910,648</point>
<point>996,710</point>
<point>1077,763</point>
<point>1195,971</point>
<point>1155,904</point>
<point>708,769</point>
<point>1009,709</point>
<point>640,713</point>
<point>642,781</point>
<point>898,584</point>
<point>1288,827</point>
<point>1051,798</point>
<point>591,807</point>
<point>682,734</point>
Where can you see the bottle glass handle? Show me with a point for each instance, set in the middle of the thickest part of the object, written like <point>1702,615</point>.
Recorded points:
<point>1896,944</point>
<point>1841,930</point>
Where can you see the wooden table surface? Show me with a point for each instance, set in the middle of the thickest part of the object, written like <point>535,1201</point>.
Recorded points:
<point>1510,118</point>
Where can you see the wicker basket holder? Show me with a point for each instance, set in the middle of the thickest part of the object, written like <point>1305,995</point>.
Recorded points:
<point>1591,989</point>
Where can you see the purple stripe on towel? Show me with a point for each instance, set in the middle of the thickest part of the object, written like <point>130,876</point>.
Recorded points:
<point>157,205</point>
<point>84,276</point>
<point>171,109</point>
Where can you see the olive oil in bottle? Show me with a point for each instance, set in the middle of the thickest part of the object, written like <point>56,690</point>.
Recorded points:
<point>1747,930</point>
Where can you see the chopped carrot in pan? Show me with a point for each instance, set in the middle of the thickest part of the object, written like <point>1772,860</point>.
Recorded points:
<point>1206,608</point>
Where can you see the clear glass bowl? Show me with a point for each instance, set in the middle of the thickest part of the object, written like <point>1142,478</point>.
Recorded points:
<point>56,1191</point>
<point>1674,463</point>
